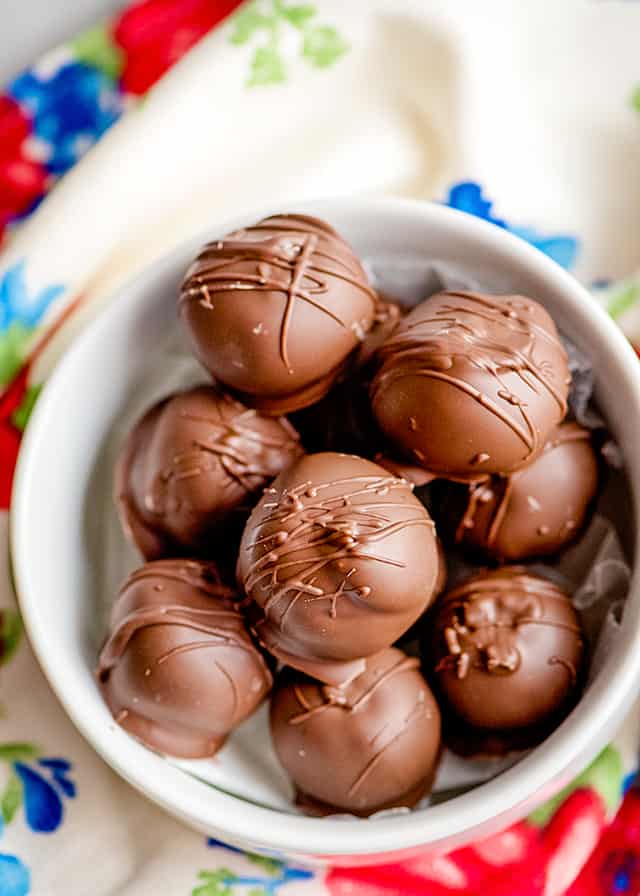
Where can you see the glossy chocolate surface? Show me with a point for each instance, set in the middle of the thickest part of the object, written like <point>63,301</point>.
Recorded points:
<point>506,649</point>
<point>470,384</point>
<point>370,746</point>
<point>193,467</point>
<point>539,509</point>
<point>341,558</point>
<point>179,670</point>
<point>274,310</point>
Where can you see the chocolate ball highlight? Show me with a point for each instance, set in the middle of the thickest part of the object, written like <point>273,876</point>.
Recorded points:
<point>274,310</point>
<point>179,670</point>
<point>195,464</point>
<point>538,510</point>
<point>370,746</point>
<point>470,384</point>
<point>340,558</point>
<point>506,648</point>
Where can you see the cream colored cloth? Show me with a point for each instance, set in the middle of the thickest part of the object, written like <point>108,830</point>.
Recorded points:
<point>531,100</point>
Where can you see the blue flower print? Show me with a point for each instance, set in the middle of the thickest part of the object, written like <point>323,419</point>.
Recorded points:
<point>18,304</point>
<point>15,879</point>
<point>224,882</point>
<point>467,196</point>
<point>39,784</point>
<point>70,109</point>
<point>42,795</point>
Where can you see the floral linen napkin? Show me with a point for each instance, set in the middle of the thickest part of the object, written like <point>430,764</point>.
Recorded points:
<point>533,104</point>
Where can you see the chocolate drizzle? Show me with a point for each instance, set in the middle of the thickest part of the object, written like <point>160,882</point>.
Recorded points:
<point>295,255</point>
<point>179,670</point>
<point>192,464</point>
<point>485,616</point>
<point>499,640</point>
<point>221,622</point>
<point>341,697</point>
<point>372,744</point>
<point>237,439</point>
<point>499,351</point>
<point>538,509</point>
<point>340,558</point>
<point>337,529</point>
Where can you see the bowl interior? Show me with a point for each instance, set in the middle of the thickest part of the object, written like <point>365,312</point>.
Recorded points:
<point>69,553</point>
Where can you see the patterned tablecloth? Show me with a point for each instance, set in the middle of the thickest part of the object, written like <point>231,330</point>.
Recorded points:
<point>533,104</point>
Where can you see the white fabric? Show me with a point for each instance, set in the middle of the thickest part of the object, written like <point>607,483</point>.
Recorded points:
<point>531,99</point>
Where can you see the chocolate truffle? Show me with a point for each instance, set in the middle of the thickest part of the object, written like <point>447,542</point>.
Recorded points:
<point>470,384</point>
<point>179,670</point>
<point>274,310</point>
<point>506,650</point>
<point>195,464</point>
<point>369,746</point>
<point>538,510</point>
<point>341,558</point>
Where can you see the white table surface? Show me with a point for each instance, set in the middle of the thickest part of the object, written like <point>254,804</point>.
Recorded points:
<point>30,27</point>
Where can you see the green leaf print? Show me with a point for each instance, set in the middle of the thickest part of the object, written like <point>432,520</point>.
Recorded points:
<point>20,416</point>
<point>623,298</point>
<point>298,16</point>
<point>247,21</point>
<point>323,46</point>
<point>215,883</point>
<point>271,866</point>
<point>319,45</point>
<point>635,98</point>
<point>267,67</point>
<point>18,752</point>
<point>10,633</point>
<point>97,48</point>
<point>13,350</point>
<point>604,775</point>
<point>11,798</point>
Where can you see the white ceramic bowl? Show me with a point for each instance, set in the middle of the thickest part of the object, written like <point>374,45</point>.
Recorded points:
<point>52,521</point>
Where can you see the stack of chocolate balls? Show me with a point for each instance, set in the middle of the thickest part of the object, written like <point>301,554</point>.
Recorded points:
<point>271,552</point>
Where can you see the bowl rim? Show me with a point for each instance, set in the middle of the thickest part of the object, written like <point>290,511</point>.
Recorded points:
<point>205,806</point>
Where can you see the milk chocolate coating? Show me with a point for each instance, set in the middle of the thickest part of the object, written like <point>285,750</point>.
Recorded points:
<point>506,649</point>
<point>470,384</point>
<point>341,558</point>
<point>274,310</point>
<point>367,747</point>
<point>538,510</point>
<point>195,465</point>
<point>179,670</point>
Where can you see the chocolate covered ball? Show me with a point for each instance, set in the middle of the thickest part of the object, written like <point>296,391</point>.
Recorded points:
<point>538,510</point>
<point>506,649</point>
<point>194,465</point>
<point>274,310</point>
<point>340,558</point>
<point>369,746</point>
<point>179,670</point>
<point>470,384</point>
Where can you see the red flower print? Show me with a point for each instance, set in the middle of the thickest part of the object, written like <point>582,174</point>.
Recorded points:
<point>10,435</point>
<point>522,860</point>
<point>156,33</point>
<point>614,866</point>
<point>22,181</point>
<point>14,127</point>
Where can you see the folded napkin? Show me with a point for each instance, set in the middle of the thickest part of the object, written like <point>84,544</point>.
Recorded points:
<point>524,114</point>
